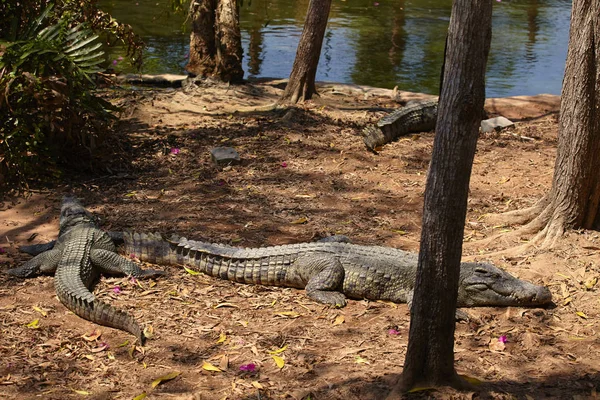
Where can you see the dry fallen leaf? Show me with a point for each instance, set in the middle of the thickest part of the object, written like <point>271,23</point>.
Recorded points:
<point>497,345</point>
<point>165,378</point>
<point>471,380</point>
<point>340,319</point>
<point>299,221</point>
<point>226,305</point>
<point>149,331</point>
<point>288,314</point>
<point>93,335</point>
<point>581,314</point>
<point>191,271</point>
<point>280,362</point>
<point>222,338</point>
<point>257,385</point>
<point>590,283</point>
<point>82,392</point>
<point>35,324</point>
<point>281,350</point>
<point>44,313</point>
<point>209,367</point>
<point>360,360</point>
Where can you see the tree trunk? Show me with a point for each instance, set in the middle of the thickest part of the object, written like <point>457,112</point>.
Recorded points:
<point>301,85</point>
<point>573,200</point>
<point>229,42</point>
<point>215,41</point>
<point>575,188</point>
<point>201,61</point>
<point>430,356</point>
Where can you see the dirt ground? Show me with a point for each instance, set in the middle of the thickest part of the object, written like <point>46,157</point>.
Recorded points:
<point>305,174</point>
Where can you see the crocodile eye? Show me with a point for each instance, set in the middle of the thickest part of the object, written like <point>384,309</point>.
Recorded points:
<point>481,270</point>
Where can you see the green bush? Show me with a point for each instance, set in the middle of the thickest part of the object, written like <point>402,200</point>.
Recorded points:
<point>49,112</point>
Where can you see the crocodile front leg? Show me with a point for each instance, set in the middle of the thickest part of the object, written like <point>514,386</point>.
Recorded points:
<point>44,263</point>
<point>324,275</point>
<point>35,249</point>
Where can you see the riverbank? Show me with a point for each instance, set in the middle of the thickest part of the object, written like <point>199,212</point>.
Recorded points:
<point>304,174</point>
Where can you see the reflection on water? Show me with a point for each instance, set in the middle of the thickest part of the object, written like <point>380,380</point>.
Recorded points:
<point>378,43</point>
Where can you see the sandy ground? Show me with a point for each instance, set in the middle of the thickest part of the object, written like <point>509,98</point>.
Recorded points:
<point>304,174</point>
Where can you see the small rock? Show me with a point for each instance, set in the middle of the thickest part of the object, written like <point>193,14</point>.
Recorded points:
<point>495,124</point>
<point>224,156</point>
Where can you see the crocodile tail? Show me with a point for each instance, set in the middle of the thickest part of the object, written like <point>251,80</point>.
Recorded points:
<point>151,247</point>
<point>88,307</point>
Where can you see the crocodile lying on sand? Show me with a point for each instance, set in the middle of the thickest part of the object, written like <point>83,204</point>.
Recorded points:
<point>416,116</point>
<point>81,252</point>
<point>333,270</point>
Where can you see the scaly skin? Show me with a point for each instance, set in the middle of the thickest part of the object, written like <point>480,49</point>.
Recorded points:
<point>418,116</point>
<point>81,252</point>
<point>331,271</point>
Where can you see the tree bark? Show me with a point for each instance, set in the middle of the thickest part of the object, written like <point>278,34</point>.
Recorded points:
<point>430,356</point>
<point>201,61</point>
<point>301,85</point>
<point>575,189</point>
<point>229,42</point>
<point>215,41</point>
<point>573,201</point>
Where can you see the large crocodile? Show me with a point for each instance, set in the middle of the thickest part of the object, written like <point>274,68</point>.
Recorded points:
<point>81,252</point>
<point>334,270</point>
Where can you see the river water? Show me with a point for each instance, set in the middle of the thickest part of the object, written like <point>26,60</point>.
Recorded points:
<point>377,43</point>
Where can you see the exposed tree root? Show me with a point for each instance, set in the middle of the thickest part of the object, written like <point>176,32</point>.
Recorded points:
<point>540,220</point>
<point>402,387</point>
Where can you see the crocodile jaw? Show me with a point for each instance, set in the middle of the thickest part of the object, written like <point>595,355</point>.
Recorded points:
<point>482,284</point>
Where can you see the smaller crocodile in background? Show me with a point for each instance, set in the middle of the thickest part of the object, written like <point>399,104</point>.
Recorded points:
<point>331,271</point>
<point>416,116</point>
<point>81,252</point>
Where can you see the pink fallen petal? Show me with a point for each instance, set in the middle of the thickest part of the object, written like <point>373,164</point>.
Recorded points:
<point>393,332</point>
<point>248,367</point>
<point>284,164</point>
<point>117,289</point>
<point>502,339</point>
<point>174,150</point>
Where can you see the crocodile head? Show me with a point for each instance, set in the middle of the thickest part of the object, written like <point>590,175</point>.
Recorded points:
<point>482,284</point>
<point>72,213</point>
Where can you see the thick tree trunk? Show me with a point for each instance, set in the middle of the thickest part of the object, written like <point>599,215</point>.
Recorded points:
<point>430,356</point>
<point>229,42</point>
<point>201,61</point>
<point>573,201</point>
<point>215,41</point>
<point>576,186</point>
<point>301,85</point>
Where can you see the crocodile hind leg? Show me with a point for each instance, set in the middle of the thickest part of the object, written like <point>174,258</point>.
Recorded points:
<point>324,275</point>
<point>44,263</point>
<point>113,264</point>
<point>35,249</point>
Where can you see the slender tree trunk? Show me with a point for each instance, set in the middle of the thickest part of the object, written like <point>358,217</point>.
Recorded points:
<point>215,41</point>
<point>301,85</point>
<point>430,356</point>
<point>573,201</point>
<point>202,39</point>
